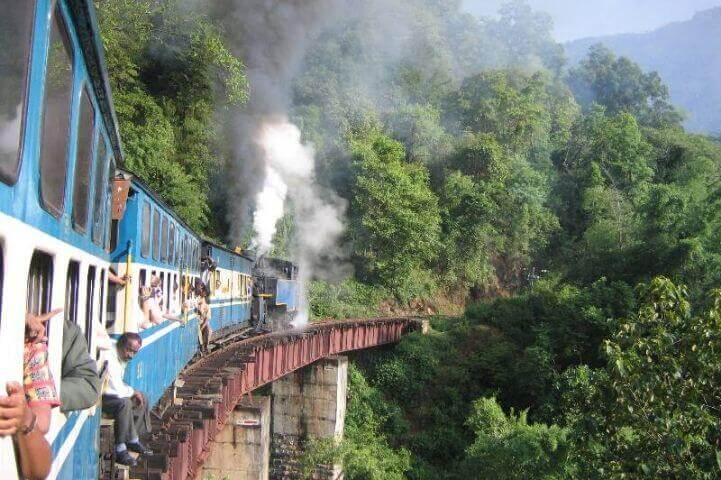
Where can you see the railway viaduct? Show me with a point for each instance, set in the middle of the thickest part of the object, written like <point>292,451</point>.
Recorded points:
<point>210,425</point>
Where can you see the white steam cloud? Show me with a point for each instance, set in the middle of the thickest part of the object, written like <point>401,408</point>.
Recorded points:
<point>274,171</point>
<point>290,175</point>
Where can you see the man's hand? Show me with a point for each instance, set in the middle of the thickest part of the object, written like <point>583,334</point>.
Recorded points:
<point>14,412</point>
<point>137,398</point>
<point>35,324</point>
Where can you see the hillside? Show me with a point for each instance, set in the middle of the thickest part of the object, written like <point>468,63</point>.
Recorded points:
<point>687,55</point>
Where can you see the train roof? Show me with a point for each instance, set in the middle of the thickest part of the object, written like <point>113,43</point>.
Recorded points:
<point>245,254</point>
<point>86,26</point>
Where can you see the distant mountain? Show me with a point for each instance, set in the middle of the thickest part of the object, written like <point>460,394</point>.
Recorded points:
<point>686,54</point>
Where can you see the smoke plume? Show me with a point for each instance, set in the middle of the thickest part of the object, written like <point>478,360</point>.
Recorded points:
<point>274,168</point>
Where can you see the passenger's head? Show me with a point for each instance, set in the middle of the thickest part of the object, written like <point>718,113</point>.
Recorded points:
<point>154,280</point>
<point>129,344</point>
<point>200,289</point>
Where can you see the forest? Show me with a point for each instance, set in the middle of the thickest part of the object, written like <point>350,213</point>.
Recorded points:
<point>558,222</point>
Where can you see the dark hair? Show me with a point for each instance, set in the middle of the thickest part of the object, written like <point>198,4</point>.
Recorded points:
<point>127,337</point>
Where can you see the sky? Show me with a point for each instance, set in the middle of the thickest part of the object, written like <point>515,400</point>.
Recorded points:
<point>575,19</point>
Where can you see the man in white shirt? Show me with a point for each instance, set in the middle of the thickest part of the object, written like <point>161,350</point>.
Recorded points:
<point>129,407</point>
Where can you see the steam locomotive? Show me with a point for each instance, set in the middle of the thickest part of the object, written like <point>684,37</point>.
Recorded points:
<point>69,216</point>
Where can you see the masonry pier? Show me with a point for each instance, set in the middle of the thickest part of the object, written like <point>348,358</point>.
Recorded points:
<point>308,403</point>
<point>242,449</point>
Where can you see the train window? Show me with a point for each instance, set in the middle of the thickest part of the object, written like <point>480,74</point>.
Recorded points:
<point>190,252</point>
<point>162,286</point>
<point>72,289</point>
<point>101,313</point>
<point>145,239</point>
<point>143,277</point>
<point>108,203</point>
<point>110,306</point>
<point>40,281</point>
<point>167,292</point>
<point>114,226</point>
<point>179,249</point>
<point>56,116</point>
<point>16,25</point>
<point>81,184</point>
<point>164,241</point>
<point>171,245</point>
<point>156,233</point>
<point>89,305</point>
<point>98,213</point>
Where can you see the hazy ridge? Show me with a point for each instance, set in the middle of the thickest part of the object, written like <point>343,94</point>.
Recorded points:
<point>686,54</point>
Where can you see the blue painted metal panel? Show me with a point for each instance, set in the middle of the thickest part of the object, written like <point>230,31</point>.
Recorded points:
<point>131,228</point>
<point>157,365</point>
<point>229,260</point>
<point>229,315</point>
<point>83,459</point>
<point>287,293</point>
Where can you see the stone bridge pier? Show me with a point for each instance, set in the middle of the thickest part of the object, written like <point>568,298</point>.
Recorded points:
<point>264,438</point>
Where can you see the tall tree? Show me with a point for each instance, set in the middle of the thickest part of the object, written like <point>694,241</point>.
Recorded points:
<point>395,223</point>
<point>621,86</point>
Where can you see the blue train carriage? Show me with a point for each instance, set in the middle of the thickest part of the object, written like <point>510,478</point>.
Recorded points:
<point>149,240</point>
<point>58,146</point>
<point>228,274</point>
<point>277,293</point>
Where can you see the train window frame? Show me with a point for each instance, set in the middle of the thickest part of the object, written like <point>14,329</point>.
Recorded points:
<point>101,161</point>
<point>53,199</point>
<point>156,234</point>
<point>10,172</point>
<point>39,296</point>
<point>145,232</point>
<point>164,239</point>
<point>90,304</point>
<point>81,191</point>
<point>72,291</point>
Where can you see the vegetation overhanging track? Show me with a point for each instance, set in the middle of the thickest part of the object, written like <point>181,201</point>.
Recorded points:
<point>200,403</point>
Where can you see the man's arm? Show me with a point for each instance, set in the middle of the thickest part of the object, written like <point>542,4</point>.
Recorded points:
<point>80,384</point>
<point>34,450</point>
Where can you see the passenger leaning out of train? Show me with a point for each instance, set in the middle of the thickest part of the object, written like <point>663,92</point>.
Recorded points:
<point>25,411</point>
<point>80,384</point>
<point>204,315</point>
<point>157,291</point>
<point>128,407</point>
<point>152,313</point>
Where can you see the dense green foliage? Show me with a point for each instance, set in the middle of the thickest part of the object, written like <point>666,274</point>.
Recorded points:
<point>168,69</point>
<point>563,207</point>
